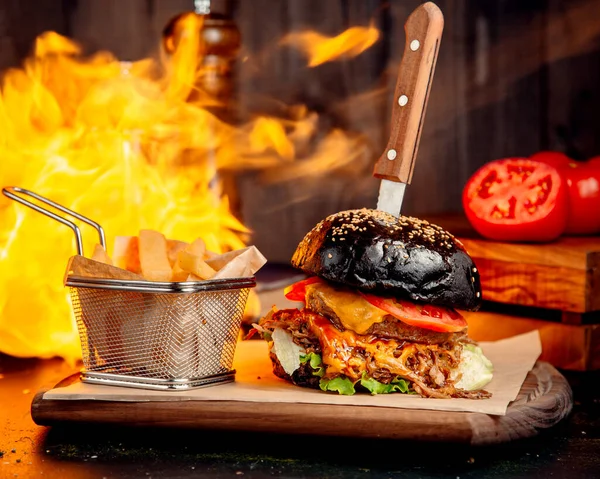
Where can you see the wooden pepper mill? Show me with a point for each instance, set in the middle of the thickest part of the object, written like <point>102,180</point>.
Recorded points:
<point>222,42</point>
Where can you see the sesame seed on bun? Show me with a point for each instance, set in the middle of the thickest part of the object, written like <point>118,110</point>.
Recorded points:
<point>405,257</point>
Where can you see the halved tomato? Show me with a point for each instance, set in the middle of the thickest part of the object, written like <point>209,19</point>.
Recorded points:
<point>517,199</point>
<point>297,291</point>
<point>434,318</point>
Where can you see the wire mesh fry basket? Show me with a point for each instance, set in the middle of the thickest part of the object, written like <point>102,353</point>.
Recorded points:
<point>151,335</point>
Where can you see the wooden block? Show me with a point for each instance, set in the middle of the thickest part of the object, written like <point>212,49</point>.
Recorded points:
<point>563,275</point>
<point>565,346</point>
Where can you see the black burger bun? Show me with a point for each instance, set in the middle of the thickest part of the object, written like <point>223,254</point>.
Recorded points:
<point>402,257</point>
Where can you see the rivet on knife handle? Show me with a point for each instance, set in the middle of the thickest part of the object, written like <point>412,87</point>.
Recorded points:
<point>423,30</point>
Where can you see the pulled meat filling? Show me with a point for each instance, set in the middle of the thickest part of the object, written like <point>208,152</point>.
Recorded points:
<point>427,366</point>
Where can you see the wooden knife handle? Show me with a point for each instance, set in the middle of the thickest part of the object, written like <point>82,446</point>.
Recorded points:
<point>423,30</point>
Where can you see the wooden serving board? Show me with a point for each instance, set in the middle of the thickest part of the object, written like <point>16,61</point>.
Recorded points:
<point>545,398</point>
<point>563,275</point>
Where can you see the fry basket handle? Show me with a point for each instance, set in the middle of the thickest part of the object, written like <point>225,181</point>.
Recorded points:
<point>11,192</point>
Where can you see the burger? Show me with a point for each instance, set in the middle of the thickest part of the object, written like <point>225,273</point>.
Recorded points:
<point>381,310</point>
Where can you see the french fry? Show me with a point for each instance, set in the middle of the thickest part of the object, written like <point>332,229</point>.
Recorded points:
<point>101,255</point>
<point>210,254</point>
<point>153,256</point>
<point>197,247</point>
<point>193,277</point>
<point>126,253</point>
<point>190,264</point>
<point>179,274</point>
<point>173,249</point>
<point>194,264</point>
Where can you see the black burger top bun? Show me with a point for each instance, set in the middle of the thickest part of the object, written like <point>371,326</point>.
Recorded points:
<point>403,257</point>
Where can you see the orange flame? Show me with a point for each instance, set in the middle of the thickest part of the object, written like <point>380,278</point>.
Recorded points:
<point>122,144</point>
<point>322,49</point>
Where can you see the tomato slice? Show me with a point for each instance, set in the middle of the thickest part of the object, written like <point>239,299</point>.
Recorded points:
<point>297,291</point>
<point>517,199</point>
<point>434,318</point>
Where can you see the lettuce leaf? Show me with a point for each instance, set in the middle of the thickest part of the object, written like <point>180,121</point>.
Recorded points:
<point>286,350</point>
<point>340,384</point>
<point>315,362</point>
<point>375,387</point>
<point>345,386</point>
<point>475,369</point>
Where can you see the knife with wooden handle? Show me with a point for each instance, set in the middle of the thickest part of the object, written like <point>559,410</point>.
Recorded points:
<point>423,30</point>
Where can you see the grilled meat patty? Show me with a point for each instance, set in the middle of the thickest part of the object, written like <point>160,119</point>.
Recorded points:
<point>389,328</point>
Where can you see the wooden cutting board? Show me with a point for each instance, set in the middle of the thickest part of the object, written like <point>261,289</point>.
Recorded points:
<point>545,398</point>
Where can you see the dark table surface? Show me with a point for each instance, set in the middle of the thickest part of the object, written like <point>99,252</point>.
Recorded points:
<point>570,449</point>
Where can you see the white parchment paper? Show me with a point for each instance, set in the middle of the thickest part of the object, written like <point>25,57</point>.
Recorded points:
<point>513,358</point>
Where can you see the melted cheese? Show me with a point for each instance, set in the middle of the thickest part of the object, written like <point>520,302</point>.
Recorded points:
<point>355,312</point>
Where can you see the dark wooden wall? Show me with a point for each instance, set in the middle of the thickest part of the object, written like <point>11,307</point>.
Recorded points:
<point>513,77</point>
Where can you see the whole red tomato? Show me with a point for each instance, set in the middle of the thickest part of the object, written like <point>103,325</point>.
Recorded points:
<point>554,158</point>
<point>583,181</point>
<point>517,199</point>
<point>594,160</point>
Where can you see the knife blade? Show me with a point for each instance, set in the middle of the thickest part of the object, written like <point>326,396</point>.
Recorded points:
<point>423,30</point>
